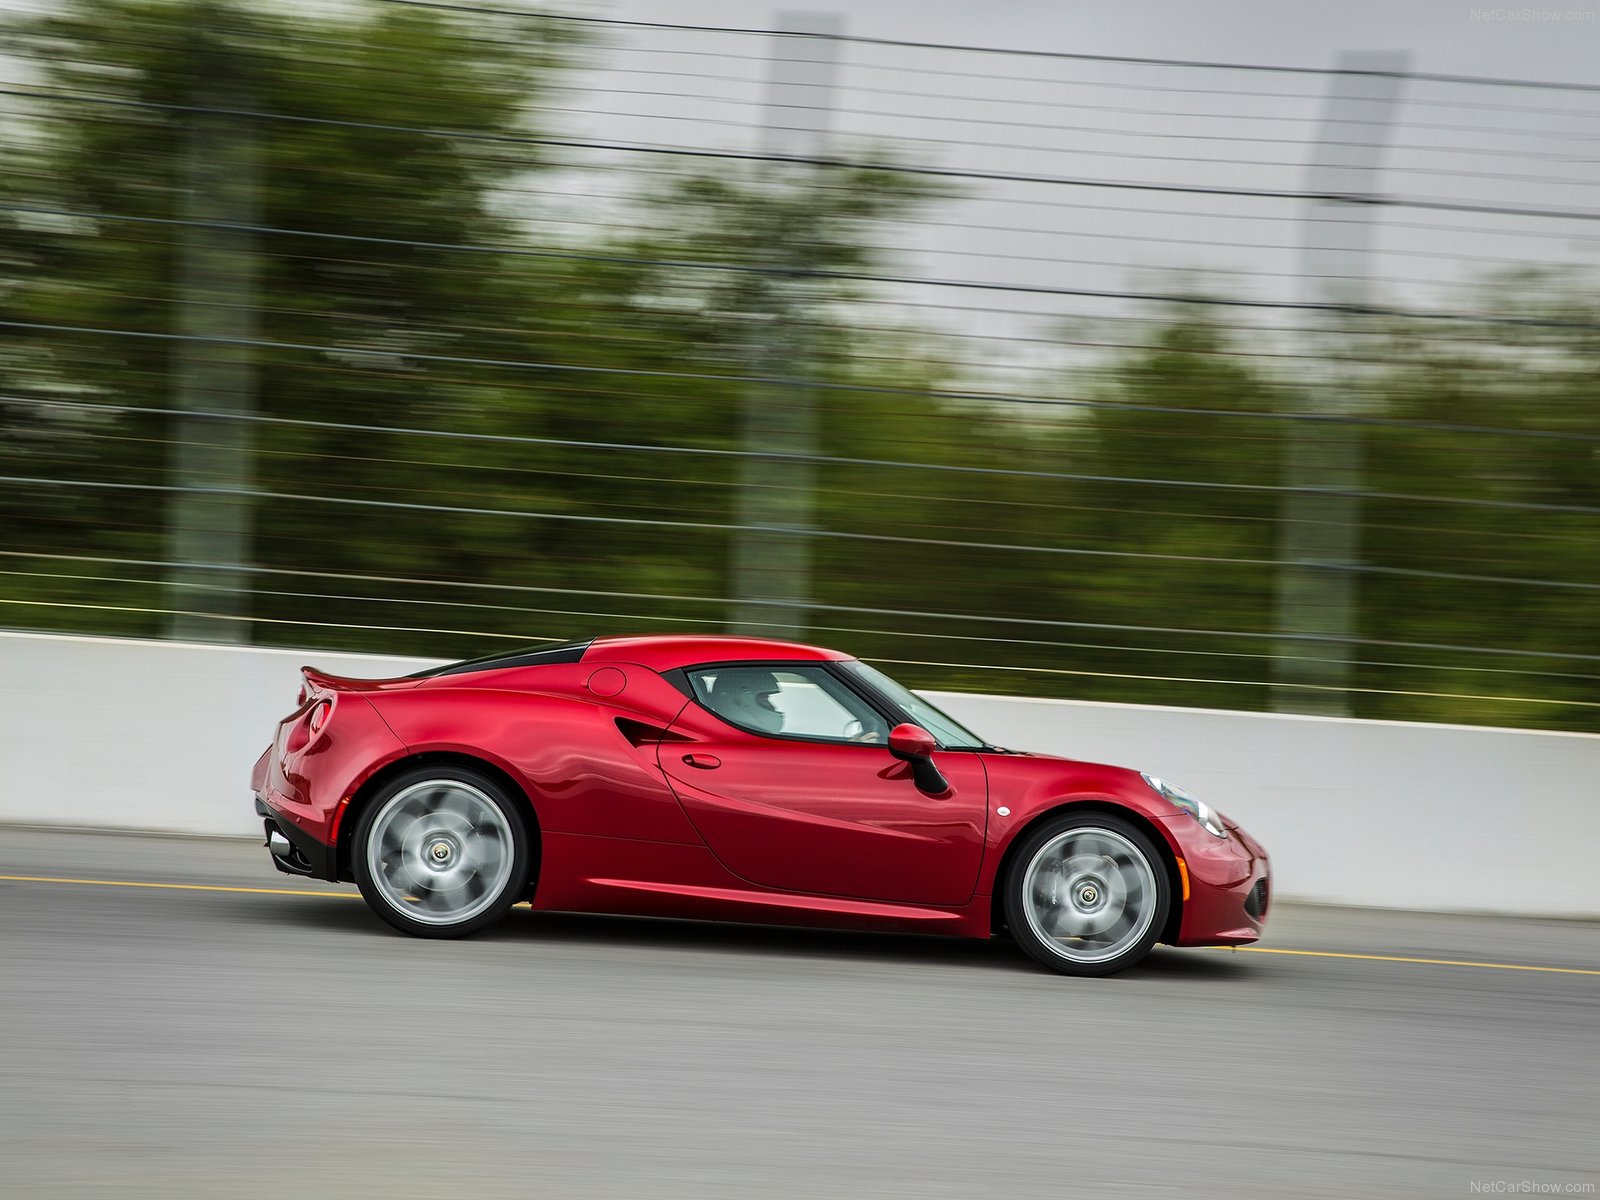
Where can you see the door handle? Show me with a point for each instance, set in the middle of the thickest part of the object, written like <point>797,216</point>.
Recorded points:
<point>706,762</point>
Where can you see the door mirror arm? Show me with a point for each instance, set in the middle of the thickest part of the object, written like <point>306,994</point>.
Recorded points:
<point>915,745</point>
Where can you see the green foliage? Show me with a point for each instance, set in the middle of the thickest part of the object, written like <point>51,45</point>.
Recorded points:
<point>1516,514</point>
<point>411,281</point>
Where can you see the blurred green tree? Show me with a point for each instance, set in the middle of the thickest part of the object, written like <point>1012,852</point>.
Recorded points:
<point>412,271</point>
<point>355,219</point>
<point>1516,521</point>
<point>581,365</point>
<point>1091,555</point>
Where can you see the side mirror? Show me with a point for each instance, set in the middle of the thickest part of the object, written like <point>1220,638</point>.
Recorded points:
<point>911,742</point>
<point>915,745</point>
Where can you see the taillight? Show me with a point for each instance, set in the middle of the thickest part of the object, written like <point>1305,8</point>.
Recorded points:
<point>307,726</point>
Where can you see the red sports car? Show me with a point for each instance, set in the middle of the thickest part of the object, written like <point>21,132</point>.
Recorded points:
<point>732,778</point>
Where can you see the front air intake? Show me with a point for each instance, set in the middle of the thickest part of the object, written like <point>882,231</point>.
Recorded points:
<point>1255,904</point>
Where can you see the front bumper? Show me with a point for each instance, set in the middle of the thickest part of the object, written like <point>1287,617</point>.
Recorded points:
<point>1230,885</point>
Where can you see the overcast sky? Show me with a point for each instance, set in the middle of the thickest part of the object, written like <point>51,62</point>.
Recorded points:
<point>1473,145</point>
<point>1443,36</point>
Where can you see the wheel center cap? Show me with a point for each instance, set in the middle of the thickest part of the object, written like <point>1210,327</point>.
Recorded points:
<point>440,852</point>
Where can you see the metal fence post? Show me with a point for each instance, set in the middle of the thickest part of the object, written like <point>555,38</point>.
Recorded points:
<point>771,554</point>
<point>209,520</point>
<point>1319,531</point>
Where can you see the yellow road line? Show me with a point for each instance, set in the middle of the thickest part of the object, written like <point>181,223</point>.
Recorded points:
<point>174,887</point>
<point>217,887</point>
<point>1432,962</point>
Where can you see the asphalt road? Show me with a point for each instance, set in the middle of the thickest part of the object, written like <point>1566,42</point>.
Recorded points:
<point>159,1041</point>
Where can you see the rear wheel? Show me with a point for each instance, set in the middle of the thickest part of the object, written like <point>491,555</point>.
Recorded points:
<point>440,852</point>
<point>1087,894</point>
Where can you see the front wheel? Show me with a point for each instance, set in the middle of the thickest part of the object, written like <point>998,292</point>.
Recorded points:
<point>440,852</point>
<point>1087,894</point>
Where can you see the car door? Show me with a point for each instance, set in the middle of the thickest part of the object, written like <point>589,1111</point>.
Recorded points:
<point>812,800</point>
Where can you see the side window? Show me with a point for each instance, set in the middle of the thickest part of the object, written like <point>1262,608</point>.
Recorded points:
<point>798,702</point>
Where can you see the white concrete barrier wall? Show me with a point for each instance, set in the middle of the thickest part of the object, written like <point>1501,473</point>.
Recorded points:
<point>115,733</point>
<point>1386,814</point>
<point>123,734</point>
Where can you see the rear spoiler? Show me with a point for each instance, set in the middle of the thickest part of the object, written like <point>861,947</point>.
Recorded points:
<point>316,680</point>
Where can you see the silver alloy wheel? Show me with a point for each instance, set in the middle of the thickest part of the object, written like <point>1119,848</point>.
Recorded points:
<point>440,852</point>
<point>1089,894</point>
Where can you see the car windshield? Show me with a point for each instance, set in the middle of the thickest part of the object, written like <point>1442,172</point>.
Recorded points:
<point>949,733</point>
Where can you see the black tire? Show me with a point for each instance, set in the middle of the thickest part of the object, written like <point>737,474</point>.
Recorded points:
<point>441,852</point>
<point>1080,916</point>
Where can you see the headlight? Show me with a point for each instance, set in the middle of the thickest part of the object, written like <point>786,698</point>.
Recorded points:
<point>1200,811</point>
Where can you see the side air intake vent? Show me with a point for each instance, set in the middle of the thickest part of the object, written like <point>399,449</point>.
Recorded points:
<point>643,733</point>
